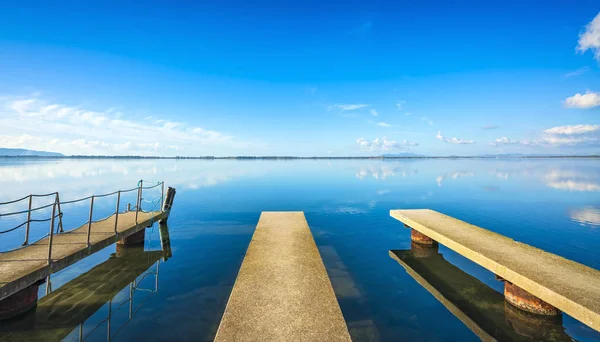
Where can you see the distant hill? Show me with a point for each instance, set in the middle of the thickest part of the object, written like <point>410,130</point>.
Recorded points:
<point>402,155</point>
<point>18,152</point>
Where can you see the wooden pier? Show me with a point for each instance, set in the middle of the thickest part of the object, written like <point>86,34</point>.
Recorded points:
<point>535,280</point>
<point>23,269</point>
<point>282,291</point>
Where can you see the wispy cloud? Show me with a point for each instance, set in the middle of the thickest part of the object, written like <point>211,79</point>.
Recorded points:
<point>384,144</point>
<point>577,72</point>
<point>589,39</point>
<point>571,135</point>
<point>383,124</point>
<point>587,100</point>
<point>347,107</point>
<point>400,104</point>
<point>428,120</point>
<point>453,140</point>
<point>490,127</point>
<point>374,112</point>
<point>37,124</point>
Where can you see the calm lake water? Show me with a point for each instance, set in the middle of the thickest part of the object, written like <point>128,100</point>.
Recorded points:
<point>553,204</point>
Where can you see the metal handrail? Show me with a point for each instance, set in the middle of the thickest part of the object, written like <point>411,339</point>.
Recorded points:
<point>57,203</point>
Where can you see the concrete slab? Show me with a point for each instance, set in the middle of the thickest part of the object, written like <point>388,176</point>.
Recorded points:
<point>282,291</point>
<point>565,284</point>
<point>23,267</point>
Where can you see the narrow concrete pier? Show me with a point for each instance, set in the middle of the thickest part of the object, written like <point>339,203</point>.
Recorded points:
<point>564,284</point>
<point>282,291</point>
<point>22,268</point>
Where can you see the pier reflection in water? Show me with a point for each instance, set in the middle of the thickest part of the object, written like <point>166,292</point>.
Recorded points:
<point>73,312</point>
<point>482,309</point>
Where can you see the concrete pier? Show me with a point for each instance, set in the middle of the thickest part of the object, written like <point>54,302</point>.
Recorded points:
<point>22,268</point>
<point>282,291</point>
<point>563,284</point>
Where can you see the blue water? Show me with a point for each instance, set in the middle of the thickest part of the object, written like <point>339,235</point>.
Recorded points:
<point>553,204</point>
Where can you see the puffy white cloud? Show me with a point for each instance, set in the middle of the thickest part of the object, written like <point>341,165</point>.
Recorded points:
<point>33,123</point>
<point>589,39</point>
<point>587,100</point>
<point>383,124</point>
<point>384,144</point>
<point>453,140</point>
<point>572,129</point>
<point>374,112</point>
<point>346,107</point>
<point>508,141</point>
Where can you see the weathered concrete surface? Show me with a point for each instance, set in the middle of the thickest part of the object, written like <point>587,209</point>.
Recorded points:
<point>282,291</point>
<point>21,268</point>
<point>565,284</point>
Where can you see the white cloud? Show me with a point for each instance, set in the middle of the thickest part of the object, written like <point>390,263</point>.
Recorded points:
<point>508,141</point>
<point>587,100</point>
<point>33,123</point>
<point>383,144</point>
<point>374,112</point>
<point>429,121</point>
<point>589,39</point>
<point>346,107</point>
<point>400,104</point>
<point>383,124</point>
<point>490,127</point>
<point>572,129</point>
<point>453,140</point>
<point>577,72</point>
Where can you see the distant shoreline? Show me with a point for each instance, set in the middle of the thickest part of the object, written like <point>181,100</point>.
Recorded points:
<point>303,158</point>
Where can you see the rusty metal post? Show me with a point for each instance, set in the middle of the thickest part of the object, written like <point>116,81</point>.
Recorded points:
<point>51,234</point>
<point>117,211</point>
<point>28,221</point>
<point>89,232</point>
<point>60,225</point>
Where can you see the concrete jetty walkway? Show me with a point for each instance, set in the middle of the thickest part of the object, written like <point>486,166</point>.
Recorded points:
<point>282,291</point>
<point>24,267</point>
<point>564,284</point>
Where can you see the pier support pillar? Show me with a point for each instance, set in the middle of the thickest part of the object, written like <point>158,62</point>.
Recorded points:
<point>133,240</point>
<point>168,203</point>
<point>423,251</point>
<point>525,301</point>
<point>19,302</point>
<point>421,238</point>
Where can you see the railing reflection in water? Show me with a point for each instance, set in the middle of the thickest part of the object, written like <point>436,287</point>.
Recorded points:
<point>72,311</point>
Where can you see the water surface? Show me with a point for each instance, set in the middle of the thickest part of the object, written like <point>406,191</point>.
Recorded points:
<point>553,204</point>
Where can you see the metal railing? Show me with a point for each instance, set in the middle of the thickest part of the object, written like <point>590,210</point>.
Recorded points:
<point>133,286</point>
<point>56,205</point>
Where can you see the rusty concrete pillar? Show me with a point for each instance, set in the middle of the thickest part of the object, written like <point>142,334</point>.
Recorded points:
<point>524,300</point>
<point>20,302</point>
<point>423,251</point>
<point>421,238</point>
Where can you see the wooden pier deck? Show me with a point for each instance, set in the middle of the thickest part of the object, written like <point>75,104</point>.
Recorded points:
<point>23,267</point>
<point>282,291</point>
<point>567,285</point>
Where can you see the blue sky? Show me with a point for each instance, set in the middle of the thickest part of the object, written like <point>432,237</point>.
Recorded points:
<point>301,78</point>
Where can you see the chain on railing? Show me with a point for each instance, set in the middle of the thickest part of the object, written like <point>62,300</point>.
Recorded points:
<point>56,205</point>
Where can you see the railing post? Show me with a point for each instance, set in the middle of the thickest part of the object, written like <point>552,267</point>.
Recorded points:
<point>90,221</point>
<point>60,225</point>
<point>139,201</point>
<point>51,234</point>
<point>117,212</point>
<point>28,222</point>
<point>162,196</point>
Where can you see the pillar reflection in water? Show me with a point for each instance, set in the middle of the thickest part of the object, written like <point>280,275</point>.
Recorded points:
<point>483,310</point>
<point>65,311</point>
